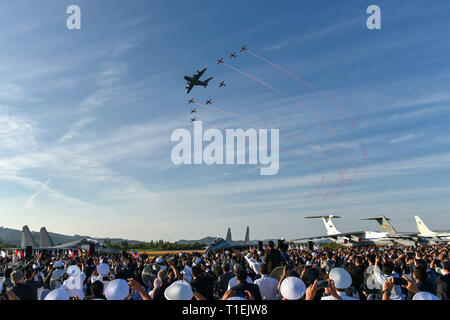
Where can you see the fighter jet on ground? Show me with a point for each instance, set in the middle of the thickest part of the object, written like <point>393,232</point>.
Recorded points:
<point>221,244</point>
<point>195,80</point>
<point>222,84</point>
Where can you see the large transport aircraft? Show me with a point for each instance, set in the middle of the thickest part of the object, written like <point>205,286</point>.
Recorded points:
<point>221,244</point>
<point>46,244</point>
<point>360,238</point>
<point>437,236</point>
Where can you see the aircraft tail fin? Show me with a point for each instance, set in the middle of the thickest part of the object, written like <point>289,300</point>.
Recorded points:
<point>27,238</point>
<point>385,224</point>
<point>206,81</point>
<point>45,241</point>
<point>247,236</point>
<point>228,239</point>
<point>423,229</point>
<point>328,222</point>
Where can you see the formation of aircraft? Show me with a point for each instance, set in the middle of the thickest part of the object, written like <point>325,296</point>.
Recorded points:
<point>222,84</point>
<point>209,101</point>
<point>195,80</point>
<point>389,236</point>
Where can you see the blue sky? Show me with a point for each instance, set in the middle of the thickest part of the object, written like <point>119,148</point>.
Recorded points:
<point>86,116</point>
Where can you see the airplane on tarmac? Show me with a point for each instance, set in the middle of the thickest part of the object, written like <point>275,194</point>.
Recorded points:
<point>433,236</point>
<point>358,238</point>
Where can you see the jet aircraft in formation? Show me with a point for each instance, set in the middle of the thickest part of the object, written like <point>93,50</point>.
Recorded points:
<point>195,80</point>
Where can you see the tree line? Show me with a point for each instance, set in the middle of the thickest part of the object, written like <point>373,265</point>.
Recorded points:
<point>159,245</point>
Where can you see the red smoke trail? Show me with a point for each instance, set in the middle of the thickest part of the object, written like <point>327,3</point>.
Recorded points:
<point>298,103</point>
<point>298,79</point>
<point>331,99</point>
<point>288,151</point>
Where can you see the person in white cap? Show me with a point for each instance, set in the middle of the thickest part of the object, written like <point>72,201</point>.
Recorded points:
<point>117,289</point>
<point>179,290</point>
<point>292,288</point>
<point>338,284</point>
<point>423,295</point>
<point>58,294</point>
<point>74,284</point>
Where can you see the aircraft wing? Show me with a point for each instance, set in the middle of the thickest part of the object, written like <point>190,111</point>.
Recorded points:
<point>199,74</point>
<point>335,236</point>
<point>191,85</point>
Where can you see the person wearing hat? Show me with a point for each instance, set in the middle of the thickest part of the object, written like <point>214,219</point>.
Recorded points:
<point>58,294</point>
<point>339,284</point>
<point>117,289</point>
<point>292,288</point>
<point>179,290</point>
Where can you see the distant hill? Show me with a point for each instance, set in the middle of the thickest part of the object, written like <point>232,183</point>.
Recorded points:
<point>14,237</point>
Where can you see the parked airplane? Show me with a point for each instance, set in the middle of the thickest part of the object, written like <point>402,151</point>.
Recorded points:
<point>402,238</point>
<point>355,238</point>
<point>221,244</point>
<point>432,236</point>
<point>46,243</point>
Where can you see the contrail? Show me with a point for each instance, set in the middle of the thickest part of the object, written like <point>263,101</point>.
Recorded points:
<point>328,97</point>
<point>288,151</point>
<point>298,79</point>
<point>298,103</point>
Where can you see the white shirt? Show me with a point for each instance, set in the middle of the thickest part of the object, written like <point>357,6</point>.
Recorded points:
<point>341,294</point>
<point>254,265</point>
<point>268,287</point>
<point>396,292</point>
<point>233,282</point>
<point>187,273</point>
